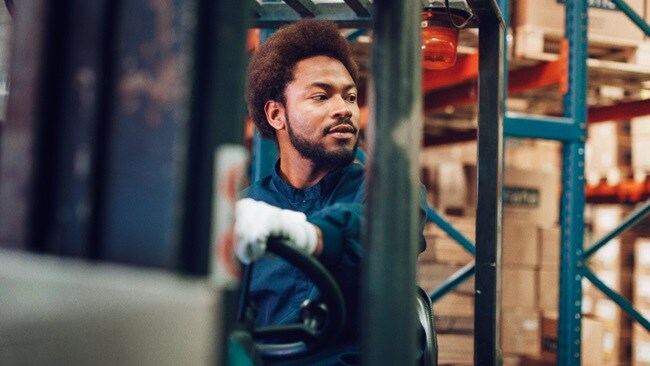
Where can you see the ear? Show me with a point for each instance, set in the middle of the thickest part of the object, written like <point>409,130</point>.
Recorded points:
<point>275,114</point>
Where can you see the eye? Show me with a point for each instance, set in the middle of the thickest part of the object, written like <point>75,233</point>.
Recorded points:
<point>352,98</point>
<point>319,97</point>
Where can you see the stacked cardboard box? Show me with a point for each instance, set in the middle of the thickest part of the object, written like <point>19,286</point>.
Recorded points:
<point>612,264</point>
<point>608,152</point>
<point>454,312</point>
<point>530,238</point>
<point>530,259</point>
<point>449,173</point>
<point>640,140</point>
<point>592,334</point>
<point>641,302</point>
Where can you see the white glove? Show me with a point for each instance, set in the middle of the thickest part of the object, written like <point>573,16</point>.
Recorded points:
<point>256,221</point>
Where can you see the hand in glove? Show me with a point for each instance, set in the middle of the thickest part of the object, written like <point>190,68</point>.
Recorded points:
<point>256,221</point>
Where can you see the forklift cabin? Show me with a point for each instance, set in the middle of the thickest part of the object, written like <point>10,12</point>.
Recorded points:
<point>109,180</point>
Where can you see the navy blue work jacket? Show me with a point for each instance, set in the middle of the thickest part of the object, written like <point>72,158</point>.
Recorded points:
<point>336,206</point>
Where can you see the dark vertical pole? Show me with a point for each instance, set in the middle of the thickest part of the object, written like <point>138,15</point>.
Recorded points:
<point>77,99</point>
<point>146,138</point>
<point>20,135</point>
<point>488,211</point>
<point>388,316</point>
<point>49,147</point>
<point>217,117</point>
<point>573,194</point>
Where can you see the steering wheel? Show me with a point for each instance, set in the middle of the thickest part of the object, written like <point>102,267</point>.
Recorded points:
<point>322,320</point>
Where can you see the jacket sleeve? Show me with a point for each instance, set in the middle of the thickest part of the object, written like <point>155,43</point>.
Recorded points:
<point>341,226</point>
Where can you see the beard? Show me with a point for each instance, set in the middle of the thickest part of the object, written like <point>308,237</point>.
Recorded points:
<point>317,152</point>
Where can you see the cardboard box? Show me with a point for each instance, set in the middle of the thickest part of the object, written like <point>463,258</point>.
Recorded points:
<point>642,256</point>
<point>641,344</point>
<point>432,275</point>
<point>520,331</point>
<point>592,339</point>
<point>614,325</point>
<point>604,218</point>
<point>448,251</point>
<point>531,195</point>
<point>548,285</point>
<point>455,349</point>
<point>640,137</point>
<point>641,292</point>
<point>518,287</point>
<point>523,153</point>
<point>617,254</point>
<point>640,158</point>
<point>548,238</point>
<point>604,24</point>
<point>451,187</point>
<point>640,125</point>
<point>455,304</point>
<point>519,243</point>
<point>608,152</point>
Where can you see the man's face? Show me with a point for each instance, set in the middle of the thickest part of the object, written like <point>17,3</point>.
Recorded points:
<point>322,112</point>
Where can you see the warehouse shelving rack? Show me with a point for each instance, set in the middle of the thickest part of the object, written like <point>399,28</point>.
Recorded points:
<point>570,130</point>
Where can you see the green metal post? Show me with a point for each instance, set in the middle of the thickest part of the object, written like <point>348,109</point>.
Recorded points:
<point>488,211</point>
<point>389,333</point>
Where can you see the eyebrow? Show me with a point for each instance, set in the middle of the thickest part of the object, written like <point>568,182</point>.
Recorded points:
<point>328,87</point>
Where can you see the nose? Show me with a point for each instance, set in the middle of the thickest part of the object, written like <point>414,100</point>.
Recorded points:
<point>342,108</point>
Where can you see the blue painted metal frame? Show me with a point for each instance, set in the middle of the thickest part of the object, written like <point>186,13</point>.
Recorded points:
<point>636,216</point>
<point>541,127</point>
<point>573,196</point>
<point>627,223</point>
<point>570,130</point>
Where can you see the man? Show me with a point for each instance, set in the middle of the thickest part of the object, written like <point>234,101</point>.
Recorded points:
<point>302,93</point>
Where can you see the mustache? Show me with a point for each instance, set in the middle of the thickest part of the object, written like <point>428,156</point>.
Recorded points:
<point>345,121</point>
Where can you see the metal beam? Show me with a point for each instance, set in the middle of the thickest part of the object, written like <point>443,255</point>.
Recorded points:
<point>360,7</point>
<point>255,8</point>
<point>627,223</point>
<point>306,8</point>
<point>489,165</point>
<point>617,298</point>
<point>453,281</point>
<point>443,224</point>
<point>394,143</point>
<point>550,128</point>
<point>634,17</point>
<point>619,111</point>
<point>275,14</point>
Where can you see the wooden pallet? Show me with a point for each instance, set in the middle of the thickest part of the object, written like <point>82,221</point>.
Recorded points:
<point>545,44</point>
